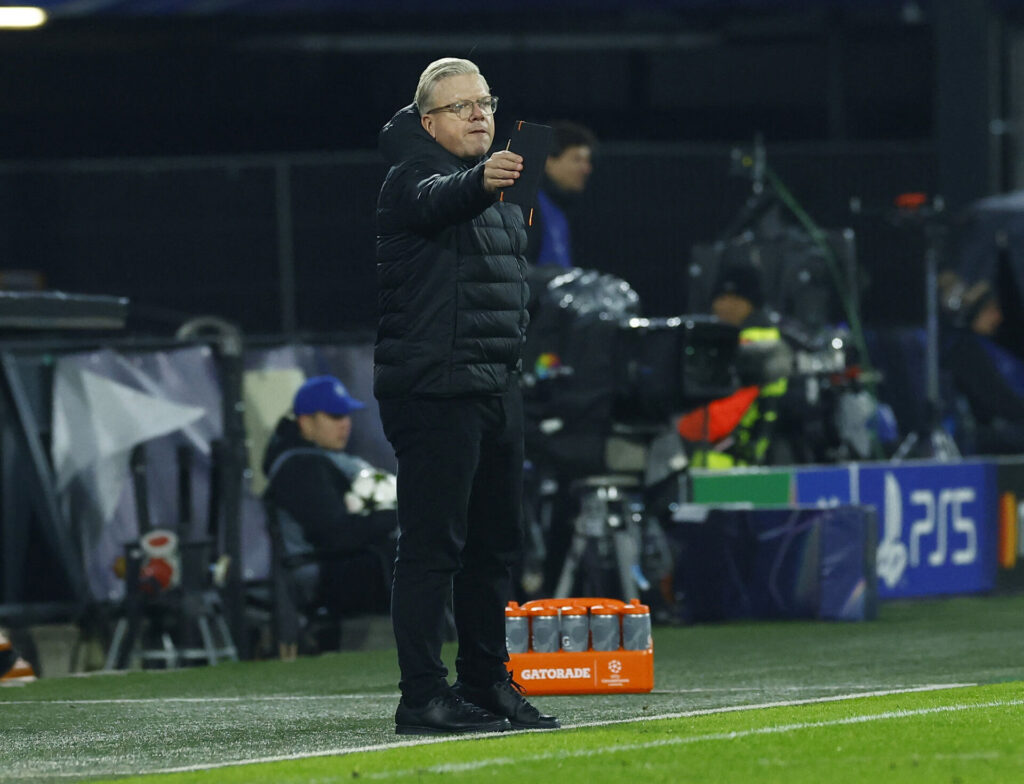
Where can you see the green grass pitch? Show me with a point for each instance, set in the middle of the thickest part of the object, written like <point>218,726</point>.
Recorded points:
<point>885,701</point>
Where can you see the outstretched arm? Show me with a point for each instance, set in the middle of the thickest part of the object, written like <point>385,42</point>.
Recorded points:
<point>429,202</point>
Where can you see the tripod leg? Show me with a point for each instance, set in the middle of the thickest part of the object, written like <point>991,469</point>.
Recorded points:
<point>114,656</point>
<point>625,559</point>
<point>571,564</point>
<point>943,445</point>
<point>207,637</point>
<point>906,447</point>
<point>130,624</point>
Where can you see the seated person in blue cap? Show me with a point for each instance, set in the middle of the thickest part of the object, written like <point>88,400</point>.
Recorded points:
<point>331,502</point>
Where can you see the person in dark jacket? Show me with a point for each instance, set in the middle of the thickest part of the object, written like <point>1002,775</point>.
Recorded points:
<point>310,479</point>
<point>452,308</point>
<point>741,428</point>
<point>566,172</point>
<point>993,422</point>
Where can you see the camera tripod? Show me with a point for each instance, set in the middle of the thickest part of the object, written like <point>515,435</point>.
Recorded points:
<point>606,522</point>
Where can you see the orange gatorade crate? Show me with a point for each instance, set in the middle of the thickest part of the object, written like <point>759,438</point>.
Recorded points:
<point>602,646</point>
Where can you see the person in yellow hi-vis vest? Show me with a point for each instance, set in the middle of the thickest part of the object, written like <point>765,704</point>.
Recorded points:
<point>737,430</point>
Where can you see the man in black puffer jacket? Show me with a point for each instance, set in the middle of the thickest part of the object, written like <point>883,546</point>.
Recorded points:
<point>452,306</point>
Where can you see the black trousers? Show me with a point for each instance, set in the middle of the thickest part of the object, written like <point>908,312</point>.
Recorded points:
<point>460,482</point>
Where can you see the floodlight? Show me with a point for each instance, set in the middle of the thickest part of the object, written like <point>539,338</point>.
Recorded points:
<point>21,17</point>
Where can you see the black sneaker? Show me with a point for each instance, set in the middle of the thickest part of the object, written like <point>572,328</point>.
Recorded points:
<point>505,698</point>
<point>444,715</point>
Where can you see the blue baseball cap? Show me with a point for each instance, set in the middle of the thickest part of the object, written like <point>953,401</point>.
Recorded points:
<point>327,394</point>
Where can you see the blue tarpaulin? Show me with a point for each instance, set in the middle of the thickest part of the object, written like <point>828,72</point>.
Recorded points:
<point>777,563</point>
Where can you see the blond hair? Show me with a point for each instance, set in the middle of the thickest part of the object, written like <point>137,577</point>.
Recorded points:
<point>434,73</point>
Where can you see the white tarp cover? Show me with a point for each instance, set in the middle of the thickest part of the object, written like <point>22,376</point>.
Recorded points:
<point>106,403</point>
<point>96,424</point>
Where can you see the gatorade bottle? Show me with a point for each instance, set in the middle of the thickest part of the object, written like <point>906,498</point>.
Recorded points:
<point>636,626</point>
<point>517,628</point>
<point>544,629</point>
<point>575,628</point>
<point>604,627</point>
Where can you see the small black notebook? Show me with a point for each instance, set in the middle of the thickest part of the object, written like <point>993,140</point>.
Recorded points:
<point>533,142</point>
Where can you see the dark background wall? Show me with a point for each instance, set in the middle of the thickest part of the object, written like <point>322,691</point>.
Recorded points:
<point>117,85</point>
<point>205,157</point>
<point>225,163</point>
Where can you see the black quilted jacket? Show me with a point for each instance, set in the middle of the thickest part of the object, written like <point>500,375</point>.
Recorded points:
<point>450,270</point>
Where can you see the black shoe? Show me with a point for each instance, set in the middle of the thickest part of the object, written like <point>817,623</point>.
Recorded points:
<point>444,715</point>
<point>505,699</point>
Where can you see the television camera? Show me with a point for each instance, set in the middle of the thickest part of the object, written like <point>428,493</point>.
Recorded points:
<point>602,387</point>
<point>601,383</point>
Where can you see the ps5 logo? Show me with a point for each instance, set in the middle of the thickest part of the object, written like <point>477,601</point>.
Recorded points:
<point>941,534</point>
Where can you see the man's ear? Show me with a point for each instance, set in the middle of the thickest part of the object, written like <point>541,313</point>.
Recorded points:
<point>305,423</point>
<point>427,121</point>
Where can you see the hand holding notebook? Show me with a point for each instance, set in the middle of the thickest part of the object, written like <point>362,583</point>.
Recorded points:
<point>532,142</point>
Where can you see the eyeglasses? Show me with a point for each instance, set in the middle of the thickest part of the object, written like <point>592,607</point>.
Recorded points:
<point>464,109</point>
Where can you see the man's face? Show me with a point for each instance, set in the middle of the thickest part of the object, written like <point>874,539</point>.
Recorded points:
<point>988,319</point>
<point>731,309</point>
<point>570,170</point>
<point>470,138</point>
<point>327,431</point>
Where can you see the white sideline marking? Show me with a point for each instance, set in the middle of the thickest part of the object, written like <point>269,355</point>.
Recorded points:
<point>462,767</point>
<point>394,696</point>
<point>781,703</point>
<point>256,698</point>
<point>737,689</point>
<point>476,736</point>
